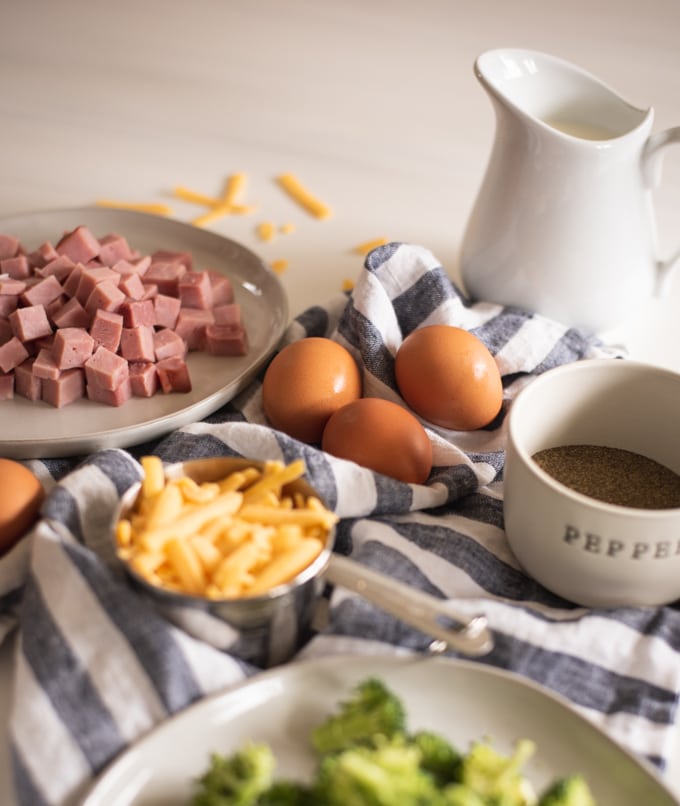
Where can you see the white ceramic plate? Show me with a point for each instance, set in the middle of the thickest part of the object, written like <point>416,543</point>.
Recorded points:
<point>38,430</point>
<point>462,700</point>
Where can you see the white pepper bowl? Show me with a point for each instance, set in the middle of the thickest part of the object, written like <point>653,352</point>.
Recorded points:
<point>587,551</point>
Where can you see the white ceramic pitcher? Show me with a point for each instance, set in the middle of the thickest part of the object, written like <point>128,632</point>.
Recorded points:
<point>563,224</point>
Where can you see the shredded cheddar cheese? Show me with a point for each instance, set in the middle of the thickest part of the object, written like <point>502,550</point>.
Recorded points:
<point>286,229</point>
<point>368,246</point>
<point>221,210</point>
<point>279,266</point>
<point>234,187</point>
<point>156,209</point>
<point>186,194</point>
<point>218,207</point>
<point>347,284</point>
<point>299,193</point>
<point>266,230</point>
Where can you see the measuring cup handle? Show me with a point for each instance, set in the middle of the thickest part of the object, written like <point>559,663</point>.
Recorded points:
<point>652,158</point>
<point>433,616</point>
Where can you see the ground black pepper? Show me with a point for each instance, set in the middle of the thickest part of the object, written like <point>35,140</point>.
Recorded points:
<point>613,475</point>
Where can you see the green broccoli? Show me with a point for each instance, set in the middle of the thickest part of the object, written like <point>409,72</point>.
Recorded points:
<point>497,777</point>
<point>569,791</point>
<point>371,710</point>
<point>384,775</point>
<point>460,795</point>
<point>238,779</point>
<point>287,793</point>
<point>438,757</point>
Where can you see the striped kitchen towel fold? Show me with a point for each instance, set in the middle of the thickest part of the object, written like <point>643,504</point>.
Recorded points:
<point>96,666</point>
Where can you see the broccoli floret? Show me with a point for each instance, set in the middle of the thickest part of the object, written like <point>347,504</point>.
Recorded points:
<point>388,774</point>
<point>286,793</point>
<point>497,777</point>
<point>371,710</point>
<point>460,795</point>
<point>569,791</point>
<point>238,779</point>
<point>438,757</point>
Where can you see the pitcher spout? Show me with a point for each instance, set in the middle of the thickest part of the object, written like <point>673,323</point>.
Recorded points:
<point>555,94</point>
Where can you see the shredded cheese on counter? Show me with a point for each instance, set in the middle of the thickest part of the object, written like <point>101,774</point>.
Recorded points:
<point>279,266</point>
<point>368,246</point>
<point>299,193</point>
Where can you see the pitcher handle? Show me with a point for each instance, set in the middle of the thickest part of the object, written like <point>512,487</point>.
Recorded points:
<point>652,157</point>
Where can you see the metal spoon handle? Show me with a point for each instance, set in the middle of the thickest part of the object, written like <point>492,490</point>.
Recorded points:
<point>433,616</point>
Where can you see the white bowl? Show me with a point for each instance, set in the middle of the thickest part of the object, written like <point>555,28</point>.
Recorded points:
<point>587,551</point>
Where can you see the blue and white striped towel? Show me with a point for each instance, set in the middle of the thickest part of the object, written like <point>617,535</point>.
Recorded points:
<point>96,667</point>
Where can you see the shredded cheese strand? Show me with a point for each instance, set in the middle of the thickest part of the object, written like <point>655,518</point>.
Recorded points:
<point>368,246</point>
<point>156,209</point>
<point>186,194</point>
<point>234,187</point>
<point>299,193</point>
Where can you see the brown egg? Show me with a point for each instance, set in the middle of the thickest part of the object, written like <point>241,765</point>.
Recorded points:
<point>381,436</point>
<point>305,383</point>
<point>21,495</point>
<point>449,377</point>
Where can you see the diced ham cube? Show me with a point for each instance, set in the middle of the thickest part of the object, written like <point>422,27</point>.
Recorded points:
<point>143,379</point>
<point>54,307</point>
<point>166,256</point>
<point>16,267</point>
<point>8,303</point>
<point>128,267</point>
<point>72,282</point>
<point>80,245</point>
<point>42,255</point>
<point>226,340</point>
<point>30,322</point>
<point>113,248</point>
<point>61,267</point>
<point>166,276</point>
<point>173,375</point>
<point>228,314</point>
<point>137,313</point>
<point>167,344</point>
<point>67,388</point>
<point>106,296</point>
<point>11,287</point>
<point>26,383</point>
<point>12,353</point>
<point>90,277</point>
<point>112,397</point>
<point>70,314</point>
<point>9,246</point>
<point>195,290</point>
<point>131,285</point>
<point>45,366</point>
<point>6,386</point>
<point>72,347</point>
<point>137,343</point>
<point>106,370</point>
<point>106,329</point>
<point>166,310</point>
<point>223,290</point>
<point>151,291</point>
<point>6,332</point>
<point>141,264</point>
<point>43,292</point>
<point>191,325</point>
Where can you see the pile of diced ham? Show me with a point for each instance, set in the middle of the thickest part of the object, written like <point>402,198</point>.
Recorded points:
<point>92,317</point>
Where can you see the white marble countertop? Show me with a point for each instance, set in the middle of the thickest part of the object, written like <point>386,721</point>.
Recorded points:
<point>373,105</point>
